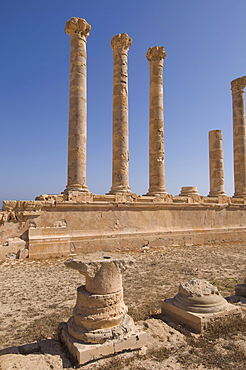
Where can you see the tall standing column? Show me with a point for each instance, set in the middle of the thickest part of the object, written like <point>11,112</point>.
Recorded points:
<point>239,135</point>
<point>216,163</point>
<point>78,30</point>
<point>156,56</point>
<point>120,173</point>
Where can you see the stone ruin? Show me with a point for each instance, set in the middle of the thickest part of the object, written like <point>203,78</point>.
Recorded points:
<point>100,325</point>
<point>77,220</point>
<point>196,304</point>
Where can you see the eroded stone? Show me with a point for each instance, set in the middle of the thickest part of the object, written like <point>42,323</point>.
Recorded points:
<point>199,296</point>
<point>196,304</point>
<point>100,315</point>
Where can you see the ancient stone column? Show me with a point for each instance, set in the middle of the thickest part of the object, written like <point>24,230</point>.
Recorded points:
<point>239,135</point>
<point>78,30</point>
<point>120,174</point>
<point>100,325</point>
<point>216,163</point>
<point>156,56</point>
<point>100,313</point>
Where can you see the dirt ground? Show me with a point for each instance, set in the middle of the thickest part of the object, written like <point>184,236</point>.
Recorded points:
<point>38,294</point>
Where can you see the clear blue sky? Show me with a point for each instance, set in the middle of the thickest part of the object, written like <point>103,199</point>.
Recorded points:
<point>205,45</point>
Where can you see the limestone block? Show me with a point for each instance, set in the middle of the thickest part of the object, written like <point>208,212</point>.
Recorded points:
<point>15,242</point>
<point>23,253</point>
<point>84,353</point>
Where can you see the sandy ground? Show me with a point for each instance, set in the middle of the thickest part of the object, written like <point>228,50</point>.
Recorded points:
<point>37,295</point>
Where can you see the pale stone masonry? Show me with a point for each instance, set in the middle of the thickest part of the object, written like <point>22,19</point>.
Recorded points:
<point>216,163</point>
<point>188,190</point>
<point>156,56</point>
<point>100,325</point>
<point>78,30</point>
<point>120,167</point>
<point>197,304</point>
<point>239,135</point>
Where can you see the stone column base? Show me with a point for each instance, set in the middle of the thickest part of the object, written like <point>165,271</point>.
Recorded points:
<point>77,195</point>
<point>156,192</point>
<point>197,321</point>
<point>84,353</point>
<point>189,190</point>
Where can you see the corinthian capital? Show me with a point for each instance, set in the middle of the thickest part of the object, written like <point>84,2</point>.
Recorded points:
<point>121,42</point>
<point>156,53</point>
<point>77,25</point>
<point>238,84</point>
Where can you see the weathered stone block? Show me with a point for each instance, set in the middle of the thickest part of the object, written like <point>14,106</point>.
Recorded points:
<point>196,304</point>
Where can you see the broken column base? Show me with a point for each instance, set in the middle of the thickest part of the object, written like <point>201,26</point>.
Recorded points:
<point>196,321</point>
<point>84,353</point>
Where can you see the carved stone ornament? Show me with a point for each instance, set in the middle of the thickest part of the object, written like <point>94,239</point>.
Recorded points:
<point>121,42</point>
<point>238,84</point>
<point>77,25</point>
<point>156,53</point>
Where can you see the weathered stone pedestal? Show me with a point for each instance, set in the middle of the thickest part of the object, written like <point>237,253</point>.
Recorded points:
<point>100,325</point>
<point>196,304</point>
<point>189,190</point>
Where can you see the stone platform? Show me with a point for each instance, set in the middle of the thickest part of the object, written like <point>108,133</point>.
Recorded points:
<point>84,353</point>
<point>56,225</point>
<point>197,321</point>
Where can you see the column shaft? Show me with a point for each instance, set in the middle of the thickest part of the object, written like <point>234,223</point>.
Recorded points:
<point>239,136</point>
<point>216,163</point>
<point>78,29</point>
<point>156,56</point>
<point>120,171</point>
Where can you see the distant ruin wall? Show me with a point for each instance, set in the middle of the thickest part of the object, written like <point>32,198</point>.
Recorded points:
<point>49,228</point>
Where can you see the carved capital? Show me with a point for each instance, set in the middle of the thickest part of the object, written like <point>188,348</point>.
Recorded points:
<point>238,84</point>
<point>77,25</point>
<point>121,42</point>
<point>156,53</point>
